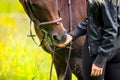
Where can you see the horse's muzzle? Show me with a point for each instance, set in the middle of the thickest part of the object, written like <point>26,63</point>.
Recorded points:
<point>60,37</point>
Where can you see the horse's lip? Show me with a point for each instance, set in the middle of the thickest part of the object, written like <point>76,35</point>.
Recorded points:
<point>58,42</point>
<point>61,42</point>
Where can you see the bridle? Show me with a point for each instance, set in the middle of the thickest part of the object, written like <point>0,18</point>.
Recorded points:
<point>46,33</point>
<point>50,22</point>
<point>38,24</point>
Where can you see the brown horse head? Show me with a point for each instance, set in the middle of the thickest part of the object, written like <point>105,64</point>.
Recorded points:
<point>44,14</point>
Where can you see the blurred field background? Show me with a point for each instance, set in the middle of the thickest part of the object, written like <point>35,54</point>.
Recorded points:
<point>20,58</point>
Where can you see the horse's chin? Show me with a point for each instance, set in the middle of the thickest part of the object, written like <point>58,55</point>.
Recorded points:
<point>60,42</point>
<point>56,43</point>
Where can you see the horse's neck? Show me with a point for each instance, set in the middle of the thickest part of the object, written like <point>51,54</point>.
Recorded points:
<point>78,11</point>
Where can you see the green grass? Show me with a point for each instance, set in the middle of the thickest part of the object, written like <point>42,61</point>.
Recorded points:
<point>8,6</point>
<point>20,58</point>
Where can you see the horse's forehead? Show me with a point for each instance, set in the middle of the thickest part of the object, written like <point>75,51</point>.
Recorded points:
<point>45,3</point>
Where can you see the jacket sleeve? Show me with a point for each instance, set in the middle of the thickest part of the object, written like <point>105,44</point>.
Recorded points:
<point>119,18</point>
<point>80,30</point>
<point>109,13</point>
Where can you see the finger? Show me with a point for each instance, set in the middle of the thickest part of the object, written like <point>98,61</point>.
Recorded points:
<point>96,73</point>
<point>101,71</point>
<point>92,72</point>
<point>61,45</point>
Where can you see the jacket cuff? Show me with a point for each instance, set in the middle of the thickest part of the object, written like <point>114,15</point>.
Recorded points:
<point>100,60</point>
<point>75,33</point>
<point>79,31</point>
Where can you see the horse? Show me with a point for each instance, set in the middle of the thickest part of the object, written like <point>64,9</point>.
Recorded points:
<point>51,20</point>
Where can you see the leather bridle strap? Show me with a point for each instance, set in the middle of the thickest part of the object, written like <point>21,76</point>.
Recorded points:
<point>32,36</point>
<point>70,46</point>
<point>39,23</point>
<point>50,22</point>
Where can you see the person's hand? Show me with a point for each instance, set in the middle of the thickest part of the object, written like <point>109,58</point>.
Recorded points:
<point>68,40</point>
<point>96,71</point>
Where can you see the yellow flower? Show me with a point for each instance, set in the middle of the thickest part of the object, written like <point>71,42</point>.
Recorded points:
<point>7,21</point>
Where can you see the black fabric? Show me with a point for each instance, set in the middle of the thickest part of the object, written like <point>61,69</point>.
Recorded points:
<point>87,62</point>
<point>100,60</point>
<point>80,30</point>
<point>106,17</point>
<point>112,71</point>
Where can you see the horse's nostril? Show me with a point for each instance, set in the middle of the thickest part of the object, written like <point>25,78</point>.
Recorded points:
<point>60,38</point>
<point>55,38</point>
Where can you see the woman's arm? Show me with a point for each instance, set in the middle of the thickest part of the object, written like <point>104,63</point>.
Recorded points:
<point>80,30</point>
<point>109,13</point>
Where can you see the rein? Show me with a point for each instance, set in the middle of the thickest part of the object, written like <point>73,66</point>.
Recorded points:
<point>45,34</point>
<point>70,46</point>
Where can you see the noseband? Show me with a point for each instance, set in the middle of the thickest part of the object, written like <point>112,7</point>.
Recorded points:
<point>50,22</point>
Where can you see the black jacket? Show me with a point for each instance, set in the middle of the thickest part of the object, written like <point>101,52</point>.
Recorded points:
<point>101,28</point>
